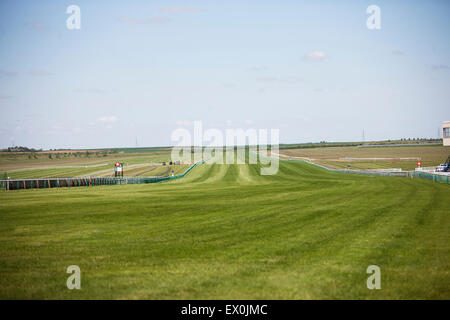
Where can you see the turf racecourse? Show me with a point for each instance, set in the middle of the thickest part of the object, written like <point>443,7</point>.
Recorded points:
<point>225,232</point>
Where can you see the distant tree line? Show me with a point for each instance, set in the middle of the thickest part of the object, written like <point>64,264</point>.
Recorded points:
<point>20,149</point>
<point>80,154</point>
<point>32,153</point>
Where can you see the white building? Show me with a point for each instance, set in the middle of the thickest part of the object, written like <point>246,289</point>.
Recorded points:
<point>446,133</point>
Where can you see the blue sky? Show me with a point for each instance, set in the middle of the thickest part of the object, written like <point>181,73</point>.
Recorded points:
<point>140,69</point>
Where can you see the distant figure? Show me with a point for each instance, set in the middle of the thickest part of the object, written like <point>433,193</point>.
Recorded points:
<point>118,169</point>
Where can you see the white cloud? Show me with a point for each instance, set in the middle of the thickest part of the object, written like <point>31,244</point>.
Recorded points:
<point>316,56</point>
<point>40,73</point>
<point>229,84</point>
<point>267,79</point>
<point>439,67</point>
<point>154,20</point>
<point>36,26</point>
<point>56,129</point>
<point>95,90</point>
<point>398,52</point>
<point>180,9</point>
<point>57,126</point>
<point>183,123</point>
<point>257,68</point>
<point>290,80</point>
<point>107,119</point>
<point>283,80</point>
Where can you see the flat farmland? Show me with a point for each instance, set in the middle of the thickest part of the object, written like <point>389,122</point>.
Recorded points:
<point>18,161</point>
<point>20,166</point>
<point>380,157</point>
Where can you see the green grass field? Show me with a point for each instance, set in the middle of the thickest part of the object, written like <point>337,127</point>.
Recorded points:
<point>225,232</point>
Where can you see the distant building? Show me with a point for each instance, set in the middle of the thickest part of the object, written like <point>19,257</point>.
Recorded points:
<point>446,133</point>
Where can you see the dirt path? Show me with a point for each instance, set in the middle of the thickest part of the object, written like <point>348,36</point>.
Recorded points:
<point>162,174</point>
<point>141,173</point>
